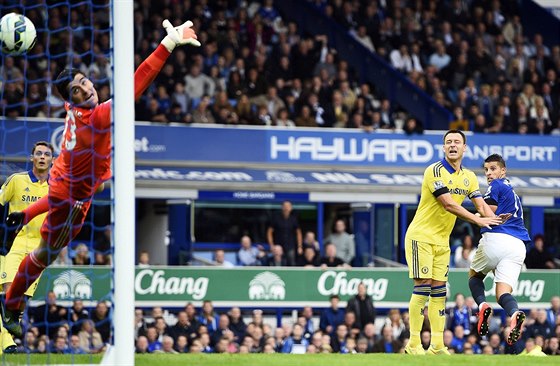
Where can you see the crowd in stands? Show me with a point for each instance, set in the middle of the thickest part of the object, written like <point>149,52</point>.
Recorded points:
<point>256,68</point>
<point>356,328</point>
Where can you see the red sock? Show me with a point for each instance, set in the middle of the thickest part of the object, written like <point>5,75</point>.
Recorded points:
<point>39,207</point>
<point>29,270</point>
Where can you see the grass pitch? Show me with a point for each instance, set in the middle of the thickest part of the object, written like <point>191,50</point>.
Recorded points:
<point>288,360</point>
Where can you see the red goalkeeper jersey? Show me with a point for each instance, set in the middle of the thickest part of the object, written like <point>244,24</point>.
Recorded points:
<point>85,155</point>
<point>85,158</point>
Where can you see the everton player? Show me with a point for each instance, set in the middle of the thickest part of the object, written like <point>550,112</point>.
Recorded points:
<point>501,250</point>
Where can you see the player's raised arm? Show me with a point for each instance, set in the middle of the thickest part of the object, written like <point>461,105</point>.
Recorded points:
<point>456,209</point>
<point>482,207</point>
<point>150,68</point>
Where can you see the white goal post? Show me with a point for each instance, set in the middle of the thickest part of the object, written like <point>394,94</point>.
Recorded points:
<point>122,353</point>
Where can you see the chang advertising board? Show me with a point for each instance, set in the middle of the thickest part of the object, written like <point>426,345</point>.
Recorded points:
<point>267,286</point>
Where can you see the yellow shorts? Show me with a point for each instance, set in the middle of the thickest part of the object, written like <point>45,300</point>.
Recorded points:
<point>22,246</point>
<point>427,260</point>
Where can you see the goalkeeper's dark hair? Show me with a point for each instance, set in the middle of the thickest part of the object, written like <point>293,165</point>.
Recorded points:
<point>42,143</point>
<point>63,80</point>
<point>497,158</point>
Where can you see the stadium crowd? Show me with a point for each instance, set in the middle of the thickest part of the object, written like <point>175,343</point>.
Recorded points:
<point>332,329</point>
<point>256,68</point>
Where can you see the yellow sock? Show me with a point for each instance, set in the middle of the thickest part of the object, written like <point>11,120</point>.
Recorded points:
<point>6,339</point>
<point>416,312</point>
<point>436,314</point>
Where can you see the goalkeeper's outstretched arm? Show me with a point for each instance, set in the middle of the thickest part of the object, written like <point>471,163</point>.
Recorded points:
<point>150,68</point>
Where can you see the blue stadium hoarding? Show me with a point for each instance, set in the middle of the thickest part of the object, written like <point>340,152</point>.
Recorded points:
<point>337,149</point>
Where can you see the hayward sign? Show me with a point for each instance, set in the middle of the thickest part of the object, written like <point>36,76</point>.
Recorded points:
<point>158,145</point>
<point>271,287</point>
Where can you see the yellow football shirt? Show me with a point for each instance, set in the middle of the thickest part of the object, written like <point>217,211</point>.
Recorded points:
<point>21,190</point>
<point>432,223</point>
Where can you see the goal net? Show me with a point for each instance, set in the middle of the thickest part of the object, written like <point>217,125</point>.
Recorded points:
<point>71,309</point>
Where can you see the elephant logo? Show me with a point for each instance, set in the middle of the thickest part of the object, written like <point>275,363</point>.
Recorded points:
<point>72,285</point>
<point>267,286</point>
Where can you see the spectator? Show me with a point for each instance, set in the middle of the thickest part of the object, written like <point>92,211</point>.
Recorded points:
<point>460,314</point>
<point>464,254</point>
<point>387,344</point>
<point>91,340</point>
<point>330,259</point>
<point>310,257</point>
<point>236,323</point>
<point>532,349</point>
<point>100,316</point>
<point>161,327</point>
<point>49,316</point>
<point>284,230</point>
<point>141,326</point>
<point>552,349</point>
<point>458,341</point>
<point>554,311</point>
<point>540,327</point>
<point>307,322</point>
<point>412,126</point>
<point>208,316</point>
<point>183,327</point>
<point>141,345</point>
<point>198,84</point>
<point>194,324</point>
<point>295,339</point>
<point>77,316</point>
<point>74,347</point>
<point>425,338</point>
<point>223,331</point>
<point>81,255</point>
<point>181,345</point>
<point>362,305</point>
<point>310,240</point>
<point>153,339</point>
<point>220,259</point>
<point>351,324</point>
<point>276,258</point>
<point>395,322</point>
<point>332,316</point>
<point>144,259</point>
<point>537,257</point>
<point>283,119</point>
<point>60,345</point>
<point>338,340</point>
<point>344,242</point>
<point>167,346</point>
<point>249,255</point>
<point>202,112</point>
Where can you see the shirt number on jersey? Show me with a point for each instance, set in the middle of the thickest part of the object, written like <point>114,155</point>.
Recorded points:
<point>517,203</point>
<point>69,141</point>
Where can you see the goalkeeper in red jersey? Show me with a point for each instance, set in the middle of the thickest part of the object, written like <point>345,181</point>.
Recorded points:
<point>81,168</point>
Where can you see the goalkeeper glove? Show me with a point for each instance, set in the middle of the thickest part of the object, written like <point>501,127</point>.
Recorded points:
<point>178,36</point>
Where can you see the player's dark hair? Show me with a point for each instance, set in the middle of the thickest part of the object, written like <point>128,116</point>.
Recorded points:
<point>63,80</point>
<point>497,158</point>
<point>42,143</point>
<point>456,131</point>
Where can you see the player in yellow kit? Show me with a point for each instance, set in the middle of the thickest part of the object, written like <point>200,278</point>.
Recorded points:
<point>445,185</point>
<point>19,191</point>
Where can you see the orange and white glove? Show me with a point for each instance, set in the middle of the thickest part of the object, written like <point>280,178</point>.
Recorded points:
<point>178,36</point>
